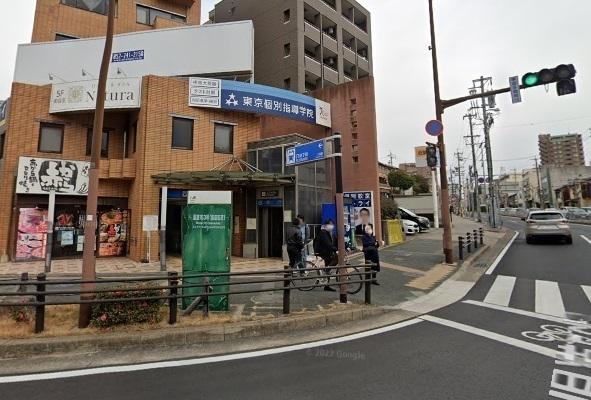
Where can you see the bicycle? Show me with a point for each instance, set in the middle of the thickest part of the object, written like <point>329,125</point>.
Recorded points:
<point>316,276</point>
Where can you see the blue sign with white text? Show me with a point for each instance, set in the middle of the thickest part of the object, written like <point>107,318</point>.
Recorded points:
<point>305,153</point>
<point>133,55</point>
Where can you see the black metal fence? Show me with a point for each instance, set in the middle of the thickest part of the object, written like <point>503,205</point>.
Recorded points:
<point>471,240</point>
<point>171,288</point>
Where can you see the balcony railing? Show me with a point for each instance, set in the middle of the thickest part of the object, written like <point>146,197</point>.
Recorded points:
<point>311,25</point>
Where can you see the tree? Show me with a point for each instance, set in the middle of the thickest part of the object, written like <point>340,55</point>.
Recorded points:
<point>421,184</point>
<point>389,208</point>
<point>400,179</point>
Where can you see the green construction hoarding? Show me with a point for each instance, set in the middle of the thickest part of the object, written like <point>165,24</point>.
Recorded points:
<point>207,241</point>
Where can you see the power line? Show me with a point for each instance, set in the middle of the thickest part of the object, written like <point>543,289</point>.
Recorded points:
<point>541,123</point>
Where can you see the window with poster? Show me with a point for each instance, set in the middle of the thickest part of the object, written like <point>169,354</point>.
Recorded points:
<point>113,233</point>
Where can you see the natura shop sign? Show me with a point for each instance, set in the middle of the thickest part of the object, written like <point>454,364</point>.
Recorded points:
<point>42,176</point>
<point>80,96</point>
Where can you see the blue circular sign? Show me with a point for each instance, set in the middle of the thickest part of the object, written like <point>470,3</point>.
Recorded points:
<point>434,127</point>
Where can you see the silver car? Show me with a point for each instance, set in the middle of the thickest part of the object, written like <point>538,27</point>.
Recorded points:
<point>548,224</point>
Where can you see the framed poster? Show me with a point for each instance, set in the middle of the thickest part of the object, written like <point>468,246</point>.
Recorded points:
<point>363,210</point>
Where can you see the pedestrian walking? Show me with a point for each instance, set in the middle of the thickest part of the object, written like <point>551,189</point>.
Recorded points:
<point>370,251</point>
<point>295,244</point>
<point>324,246</point>
<point>305,231</point>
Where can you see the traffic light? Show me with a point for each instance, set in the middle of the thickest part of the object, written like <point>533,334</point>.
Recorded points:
<point>562,75</point>
<point>432,160</point>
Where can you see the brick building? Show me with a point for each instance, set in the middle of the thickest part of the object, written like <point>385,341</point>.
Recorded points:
<point>153,140</point>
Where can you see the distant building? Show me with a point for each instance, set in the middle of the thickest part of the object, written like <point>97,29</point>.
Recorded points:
<point>530,188</point>
<point>561,150</point>
<point>384,170</point>
<point>554,178</point>
<point>509,190</point>
<point>305,45</point>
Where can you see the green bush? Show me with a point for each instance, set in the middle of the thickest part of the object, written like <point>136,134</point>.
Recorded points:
<point>105,315</point>
<point>21,313</point>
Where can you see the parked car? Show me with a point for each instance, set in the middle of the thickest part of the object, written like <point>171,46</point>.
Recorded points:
<point>410,227</point>
<point>575,213</point>
<point>547,225</point>
<point>423,222</point>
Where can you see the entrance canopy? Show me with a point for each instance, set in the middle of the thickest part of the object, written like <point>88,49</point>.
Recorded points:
<point>233,172</point>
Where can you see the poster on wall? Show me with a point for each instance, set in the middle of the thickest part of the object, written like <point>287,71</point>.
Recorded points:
<point>363,211</point>
<point>113,233</point>
<point>31,241</point>
<point>42,175</point>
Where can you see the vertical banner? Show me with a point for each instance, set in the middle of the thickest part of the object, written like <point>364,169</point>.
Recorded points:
<point>207,242</point>
<point>363,211</point>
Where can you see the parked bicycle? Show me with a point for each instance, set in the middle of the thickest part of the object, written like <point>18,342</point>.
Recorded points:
<point>316,275</point>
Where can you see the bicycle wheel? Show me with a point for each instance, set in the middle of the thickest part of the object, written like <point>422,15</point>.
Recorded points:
<point>352,275</point>
<point>308,279</point>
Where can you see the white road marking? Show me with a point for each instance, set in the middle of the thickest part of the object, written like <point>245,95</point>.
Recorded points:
<point>203,360</point>
<point>587,290</point>
<point>500,291</point>
<point>549,299</point>
<point>585,238</point>
<point>564,396</point>
<point>525,313</point>
<point>494,265</point>
<point>545,351</point>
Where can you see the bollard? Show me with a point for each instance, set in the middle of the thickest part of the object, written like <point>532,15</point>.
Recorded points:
<point>469,242</point>
<point>173,282</point>
<point>481,236</point>
<point>40,309</point>
<point>286,290</point>
<point>475,232</point>
<point>461,247</point>
<point>208,290</point>
<point>368,281</point>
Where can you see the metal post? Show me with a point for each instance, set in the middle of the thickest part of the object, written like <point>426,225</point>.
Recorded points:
<point>88,257</point>
<point>469,242</point>
<point>340,217</point>
<point>447,240</point>
<point>163,205</point>
<point>286,290</point>
<point>50,219</point>
<point>435,200</point>
<point>461,247</point>
<point>489,163</point>
<point>368,282</point>
<point>173,281</point>
<point>206,297</point>
<point>475,235</point>
<point>542,203</point>
<point>40,309</point>
<point>481,236</point>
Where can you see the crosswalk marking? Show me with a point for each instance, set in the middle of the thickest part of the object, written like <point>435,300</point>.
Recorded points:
<point>549,299</point>
<point>587,290</point>
<point>500,292</point>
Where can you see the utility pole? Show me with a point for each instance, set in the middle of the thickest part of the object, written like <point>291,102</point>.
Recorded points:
<point>459,171</point>
<point>391,158</point>
<point>470,117</point>
<point>439,108</point>
<point>542,203</point>
<point>90,226</point>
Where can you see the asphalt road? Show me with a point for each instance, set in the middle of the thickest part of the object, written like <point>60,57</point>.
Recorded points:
<point>494,344</point>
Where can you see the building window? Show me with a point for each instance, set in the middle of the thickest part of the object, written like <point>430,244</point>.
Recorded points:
<point>62,36</point>
<point>147,15</point>
<point>223,139</point>
<point>287,83</point>
<point>286,50</point>
<point>97,6</point>
<point>182,133</point>
<point>51,138</point>
<point>356,159</point>
<point>104,143</point>
<point>286,16</point>
<point>2,139</point>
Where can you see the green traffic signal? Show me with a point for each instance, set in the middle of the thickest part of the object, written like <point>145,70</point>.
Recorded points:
<point>531,79</point>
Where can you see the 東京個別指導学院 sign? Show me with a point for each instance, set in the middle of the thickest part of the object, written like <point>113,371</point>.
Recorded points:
<point>260,99</point>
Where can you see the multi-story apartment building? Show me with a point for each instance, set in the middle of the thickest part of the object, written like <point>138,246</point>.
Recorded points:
<point>73,19</point>
<point>561,150</point>
<point>305,45</point>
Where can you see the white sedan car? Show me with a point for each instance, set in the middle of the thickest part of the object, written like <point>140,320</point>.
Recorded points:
<point>410,227</point>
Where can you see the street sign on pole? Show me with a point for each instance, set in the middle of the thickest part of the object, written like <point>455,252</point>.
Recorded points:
<point>515,90</point>
<point>434,127</point>
<point>306,153</point>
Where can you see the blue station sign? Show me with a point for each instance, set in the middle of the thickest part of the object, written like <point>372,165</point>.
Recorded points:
<point>305,153</point>
<point>259,99</point>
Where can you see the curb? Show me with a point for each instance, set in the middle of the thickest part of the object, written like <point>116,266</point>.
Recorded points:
<point>174,337</point>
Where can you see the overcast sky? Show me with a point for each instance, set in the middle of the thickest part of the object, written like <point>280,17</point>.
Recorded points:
<point>496,38</point>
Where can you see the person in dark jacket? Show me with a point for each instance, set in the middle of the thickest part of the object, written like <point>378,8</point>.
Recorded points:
<point>324,246</point>
<point>295,244</point>
<point>370,251</point>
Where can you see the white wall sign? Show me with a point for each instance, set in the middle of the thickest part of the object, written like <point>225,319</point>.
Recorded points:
<point>209,197</point>
<point>421,156</point>
<point>77,96</point>
<point>150,223</point>
<point>42,175</point>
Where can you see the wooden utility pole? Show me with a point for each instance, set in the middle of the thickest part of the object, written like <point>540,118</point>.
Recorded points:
<point>90,226</point>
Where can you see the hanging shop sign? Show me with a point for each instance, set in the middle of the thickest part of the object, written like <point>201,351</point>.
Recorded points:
<point>42,175</point>
<point>122,93</point>
<point>260,99</point>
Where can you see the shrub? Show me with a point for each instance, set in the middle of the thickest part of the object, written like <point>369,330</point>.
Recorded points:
<point>105,315</point>
<point>21,313</point>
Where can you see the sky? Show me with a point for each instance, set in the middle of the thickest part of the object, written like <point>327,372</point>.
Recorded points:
<point>475,38</point>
